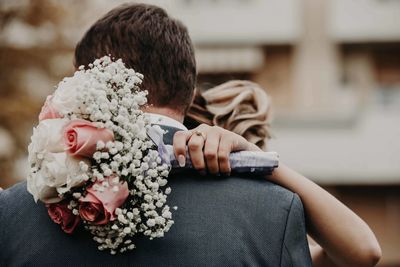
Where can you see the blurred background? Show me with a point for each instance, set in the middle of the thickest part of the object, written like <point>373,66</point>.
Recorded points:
<point>331,67</point>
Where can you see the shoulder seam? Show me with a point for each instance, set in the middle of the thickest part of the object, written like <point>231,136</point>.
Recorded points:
<point>290,257</point>
<point>284,231</point>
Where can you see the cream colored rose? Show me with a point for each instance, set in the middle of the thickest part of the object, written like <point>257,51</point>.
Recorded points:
<point>39,190</point>
<point>65,97</point>
<point>47,137</point>
<point>58,173</point>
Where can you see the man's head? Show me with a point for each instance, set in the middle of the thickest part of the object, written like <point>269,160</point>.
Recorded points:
<point>150,42</point>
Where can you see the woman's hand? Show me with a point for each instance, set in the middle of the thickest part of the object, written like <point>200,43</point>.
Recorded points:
<point>209,148</point>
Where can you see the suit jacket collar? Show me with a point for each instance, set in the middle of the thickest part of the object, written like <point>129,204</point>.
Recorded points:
<point>169,135</point>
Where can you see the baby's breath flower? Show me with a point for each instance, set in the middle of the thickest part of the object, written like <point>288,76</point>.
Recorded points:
<point>100,145</point>
<point>108,172</point>
<point>108,94</point>
<point>97,155</point>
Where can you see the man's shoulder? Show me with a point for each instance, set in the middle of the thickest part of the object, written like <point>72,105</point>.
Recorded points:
<point>25,228</point>
<point>15,195</point>
<point>261,185</point>
<point>263,193</point>
<point>249,194</point>
<point>14,202</point>
<point>245,187</point>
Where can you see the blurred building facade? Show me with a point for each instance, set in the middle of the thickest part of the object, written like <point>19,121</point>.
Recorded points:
<point>331,67</point>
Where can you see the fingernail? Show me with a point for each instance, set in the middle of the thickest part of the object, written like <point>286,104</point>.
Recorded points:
<point>181,160</point>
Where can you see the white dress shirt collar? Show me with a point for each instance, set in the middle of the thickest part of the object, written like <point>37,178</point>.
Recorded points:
<point>164,120</point>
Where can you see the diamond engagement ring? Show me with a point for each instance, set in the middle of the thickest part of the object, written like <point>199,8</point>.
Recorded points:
<point>200,133</point>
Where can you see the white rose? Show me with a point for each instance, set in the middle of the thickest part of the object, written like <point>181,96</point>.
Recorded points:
<point>57,174</point>
<point>40,190</point>
<point>65,96</point>
<point>74,175</point>
<point>47,137</point>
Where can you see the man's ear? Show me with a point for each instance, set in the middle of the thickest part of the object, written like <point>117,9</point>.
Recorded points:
<point>74,64</point>
<point>191,101</point>
<point>195,92</point>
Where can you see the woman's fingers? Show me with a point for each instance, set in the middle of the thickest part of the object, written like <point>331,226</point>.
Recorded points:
<point>194,143</point>
<point>211,151</point>
<point>195,147</point>
<point>179,145</point>
<point>209,148</point>
<point>224,149</point>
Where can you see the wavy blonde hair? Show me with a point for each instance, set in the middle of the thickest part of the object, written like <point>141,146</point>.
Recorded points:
<point>242,107</point>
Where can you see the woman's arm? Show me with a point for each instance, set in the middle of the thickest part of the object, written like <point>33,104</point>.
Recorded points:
<point>319,257</point>
<point>344,238</point>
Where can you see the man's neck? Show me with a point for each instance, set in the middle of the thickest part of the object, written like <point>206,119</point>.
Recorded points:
<point>166,112</point>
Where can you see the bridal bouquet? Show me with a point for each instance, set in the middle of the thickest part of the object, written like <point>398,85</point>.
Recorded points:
<point>92,163</point>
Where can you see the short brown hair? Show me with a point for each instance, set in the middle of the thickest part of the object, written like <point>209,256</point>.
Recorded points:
<point>150,42</point>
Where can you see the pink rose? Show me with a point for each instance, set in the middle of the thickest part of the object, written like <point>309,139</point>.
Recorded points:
<point>61,214</point>
<point>48,111</point>
<point>99,207</point>
<point>81,137</point>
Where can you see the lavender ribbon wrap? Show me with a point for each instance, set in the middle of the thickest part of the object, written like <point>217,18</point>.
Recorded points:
<point>243,162</point>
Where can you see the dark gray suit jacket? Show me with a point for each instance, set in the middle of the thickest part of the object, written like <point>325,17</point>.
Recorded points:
<point>235,221</point>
